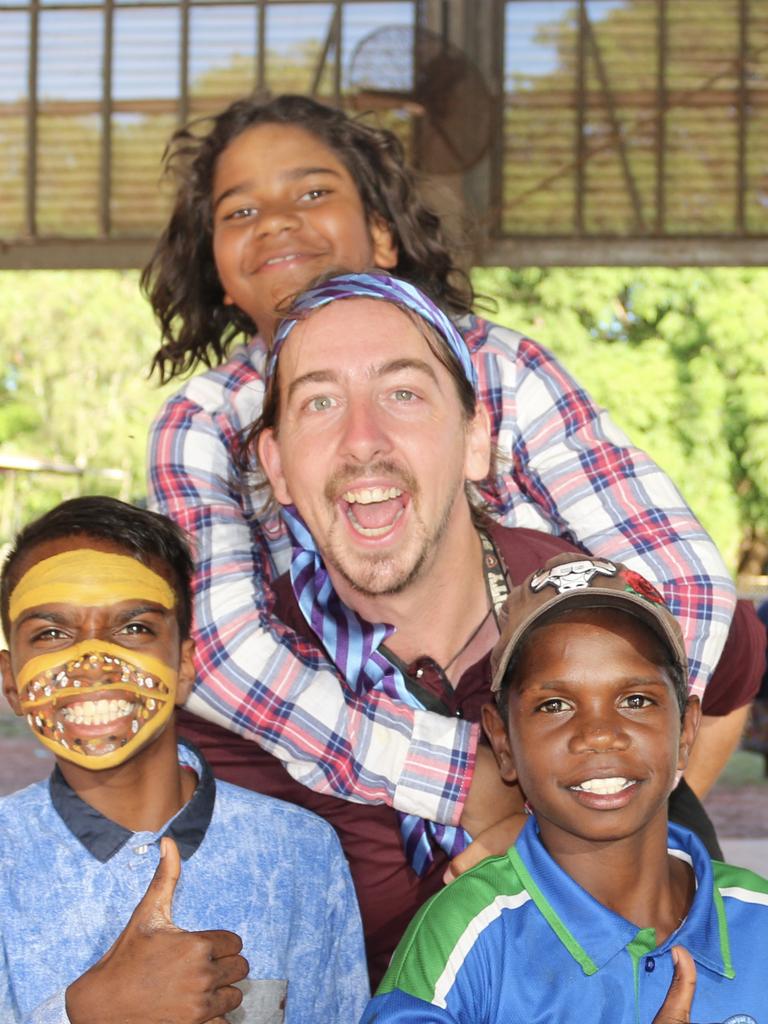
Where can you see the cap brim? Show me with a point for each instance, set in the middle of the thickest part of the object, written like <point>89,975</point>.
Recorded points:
<point>594,597</point>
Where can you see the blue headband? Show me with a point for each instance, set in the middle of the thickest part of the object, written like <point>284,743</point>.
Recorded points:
<point>374,286</point>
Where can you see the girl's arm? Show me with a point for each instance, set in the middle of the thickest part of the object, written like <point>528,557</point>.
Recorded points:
<point>565,467</point>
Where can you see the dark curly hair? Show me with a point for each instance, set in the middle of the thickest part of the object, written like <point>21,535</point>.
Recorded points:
<point>180,279</point>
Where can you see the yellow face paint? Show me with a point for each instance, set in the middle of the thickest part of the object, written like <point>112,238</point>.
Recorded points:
<point>88,577</point>
<point>94,703</point>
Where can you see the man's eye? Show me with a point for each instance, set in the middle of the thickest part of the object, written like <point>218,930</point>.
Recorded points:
<point>315,193</point>
<point>637,700</point>
<point>321,403</point>
<point>404,395</point>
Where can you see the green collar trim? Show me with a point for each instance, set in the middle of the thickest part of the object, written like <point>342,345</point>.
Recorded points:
<point>722,927</point>
<point>579,954</point>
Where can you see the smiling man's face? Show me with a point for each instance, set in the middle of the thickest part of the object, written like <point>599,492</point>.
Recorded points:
<point>373,445</point>
<point>95,660</point>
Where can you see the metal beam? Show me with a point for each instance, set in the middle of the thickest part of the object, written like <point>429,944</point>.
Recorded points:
<point>74,254</point>
<point>105,160</point>
<point>626,252</point>
<point>30,196</point>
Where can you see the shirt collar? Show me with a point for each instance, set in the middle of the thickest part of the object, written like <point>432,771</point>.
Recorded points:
<point>103,838</point>
<point>593,934</point>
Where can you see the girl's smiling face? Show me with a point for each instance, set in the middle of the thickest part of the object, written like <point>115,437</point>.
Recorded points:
<point>285,210</point>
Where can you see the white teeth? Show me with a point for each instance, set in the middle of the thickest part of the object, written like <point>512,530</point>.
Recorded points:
<point>369,495</point>
<point>280,259</point>
<point>97,712</point>
<point>605,787</point>
<point>375,531</point>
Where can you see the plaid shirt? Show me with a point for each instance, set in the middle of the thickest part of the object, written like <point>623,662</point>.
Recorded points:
<point>562,467</point>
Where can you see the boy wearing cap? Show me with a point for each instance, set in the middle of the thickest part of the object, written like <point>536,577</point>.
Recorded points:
<point>109,871</point>
<point>577,921</point>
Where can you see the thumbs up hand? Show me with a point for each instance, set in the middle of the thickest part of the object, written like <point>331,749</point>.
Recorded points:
<point>676,1008</point>
<point>156,973</point>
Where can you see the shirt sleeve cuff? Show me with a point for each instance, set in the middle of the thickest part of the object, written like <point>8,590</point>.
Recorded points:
<point>438,769</point>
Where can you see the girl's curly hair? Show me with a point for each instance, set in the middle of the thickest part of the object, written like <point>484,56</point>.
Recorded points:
<point>180,279</point>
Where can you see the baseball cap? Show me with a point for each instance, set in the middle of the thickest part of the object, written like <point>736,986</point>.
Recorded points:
<point>580,581</point>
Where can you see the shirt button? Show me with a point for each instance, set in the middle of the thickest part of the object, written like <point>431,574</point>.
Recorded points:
<point>459,713</point>
<point>419,673</point>
<point>650,965</point>
<point>140,850</point>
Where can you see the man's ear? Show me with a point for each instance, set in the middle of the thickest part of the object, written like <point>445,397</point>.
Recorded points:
<point>477,457</point>
<point>498,737</point>
<point>186,677</point>
<point>690,726</point>
<point>9,683</point>
<point>385,254</point>
<point>271,462</point>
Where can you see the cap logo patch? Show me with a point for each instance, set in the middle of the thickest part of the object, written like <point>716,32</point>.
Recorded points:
<point>638,585</point>
<point>572,575</point>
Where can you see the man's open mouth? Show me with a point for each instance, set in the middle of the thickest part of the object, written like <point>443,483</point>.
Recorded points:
<point>374,511</point>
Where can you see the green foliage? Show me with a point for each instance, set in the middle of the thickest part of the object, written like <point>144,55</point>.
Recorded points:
<point>679,358</point>
<point>76,349</point>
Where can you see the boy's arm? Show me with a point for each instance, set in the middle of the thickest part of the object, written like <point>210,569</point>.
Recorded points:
<point>257,678</point>
<point>564,466</point>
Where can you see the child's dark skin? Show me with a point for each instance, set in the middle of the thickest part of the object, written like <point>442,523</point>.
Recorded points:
<point>154,973</point>
<point>595,738</point>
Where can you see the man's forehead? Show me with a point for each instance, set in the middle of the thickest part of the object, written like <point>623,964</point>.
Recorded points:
<point>358,333</point>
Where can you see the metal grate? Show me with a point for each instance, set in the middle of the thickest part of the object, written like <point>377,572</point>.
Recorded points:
<point>635,126</point>
<point>90,93</point>
<point>626,131</point>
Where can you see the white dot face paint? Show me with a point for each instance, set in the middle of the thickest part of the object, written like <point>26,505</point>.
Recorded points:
<point>98,703</point>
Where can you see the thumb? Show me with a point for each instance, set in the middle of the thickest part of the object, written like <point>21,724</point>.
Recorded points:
<point>676,1008</point>
<point>155,908</point>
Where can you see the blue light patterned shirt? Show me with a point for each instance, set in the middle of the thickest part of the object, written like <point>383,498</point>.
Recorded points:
<point>516,940</point>
<point>269,871</point>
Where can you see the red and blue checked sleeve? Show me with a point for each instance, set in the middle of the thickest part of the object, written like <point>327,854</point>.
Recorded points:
<point>563,466</point>
<point>254,675</point>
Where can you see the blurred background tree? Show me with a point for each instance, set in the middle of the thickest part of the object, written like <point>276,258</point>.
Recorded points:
<point>75,348</point>
<point>679,357</point>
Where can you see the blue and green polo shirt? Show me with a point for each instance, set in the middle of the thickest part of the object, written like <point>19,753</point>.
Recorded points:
<point>516,941</point>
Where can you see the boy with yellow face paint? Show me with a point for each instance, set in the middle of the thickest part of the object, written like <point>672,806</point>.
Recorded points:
<point>101,919</point>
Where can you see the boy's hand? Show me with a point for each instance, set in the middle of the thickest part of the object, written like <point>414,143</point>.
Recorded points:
<point>676,1008</point>
<point>490,798</point>
<point>493,842</point>
<point>156,973</point>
